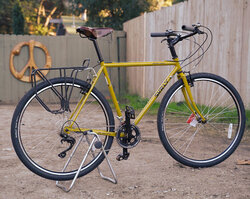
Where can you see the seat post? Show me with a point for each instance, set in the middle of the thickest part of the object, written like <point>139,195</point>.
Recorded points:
<point>97,50</point>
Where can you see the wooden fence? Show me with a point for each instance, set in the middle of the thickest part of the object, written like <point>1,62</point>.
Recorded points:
<point>229,55</point>
<point>64,51</point>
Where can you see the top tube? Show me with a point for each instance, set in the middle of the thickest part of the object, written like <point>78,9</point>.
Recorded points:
<point>138,64</point>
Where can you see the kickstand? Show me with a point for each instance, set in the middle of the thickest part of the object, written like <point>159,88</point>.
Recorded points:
<point>95,140</point>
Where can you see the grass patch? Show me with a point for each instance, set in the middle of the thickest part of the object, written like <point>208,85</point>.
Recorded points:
<point>181,107</point>
<point>137,102</point>
<point>248,119</point>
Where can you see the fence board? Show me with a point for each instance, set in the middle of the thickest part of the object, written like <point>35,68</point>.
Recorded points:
<point>64,51</point>
<point>245,58</point>
<point>227,57</point>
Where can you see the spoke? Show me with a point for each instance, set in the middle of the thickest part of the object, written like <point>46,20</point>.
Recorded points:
<point>211,124</point>
<point>223,112</point>
<point>215,105</point>
<point>185,131</point>
<point>220,112</point>
<point>177,133</point>
<point>187,108</point>
<point>34,134</point>
<point>88,104</point>
<point>227,117</point>
<point>215,128</point>
<point>191,140</point>
<point>211,98</point>
<point>221,123</point>
<point>223,101</point>
<point>174,111</point>
<point>52,148</point>
<point>180,116</point>
<point>176,123</point>
<point>172,129</point>
<point>40,142</point>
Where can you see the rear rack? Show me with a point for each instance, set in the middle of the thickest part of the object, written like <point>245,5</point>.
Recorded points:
<point>63,94</point>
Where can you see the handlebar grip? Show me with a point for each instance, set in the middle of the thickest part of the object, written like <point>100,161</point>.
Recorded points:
<point>188,28</point>
<point>158,34</point>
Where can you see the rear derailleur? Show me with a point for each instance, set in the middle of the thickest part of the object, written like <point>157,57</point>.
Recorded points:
<point>128,135</point>
<point>68,139</point>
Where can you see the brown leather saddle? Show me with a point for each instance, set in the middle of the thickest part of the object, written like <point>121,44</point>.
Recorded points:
<point>94,33</point>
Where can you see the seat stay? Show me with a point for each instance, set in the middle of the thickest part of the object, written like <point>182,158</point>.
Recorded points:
<point>80,105</point>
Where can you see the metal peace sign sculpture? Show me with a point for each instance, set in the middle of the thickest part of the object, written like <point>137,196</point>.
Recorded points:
<point>31,62</point>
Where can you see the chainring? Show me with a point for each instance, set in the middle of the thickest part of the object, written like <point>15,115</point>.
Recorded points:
<point>123,139</point>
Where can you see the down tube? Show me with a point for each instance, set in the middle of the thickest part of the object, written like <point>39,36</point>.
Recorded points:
<point>156,94</point>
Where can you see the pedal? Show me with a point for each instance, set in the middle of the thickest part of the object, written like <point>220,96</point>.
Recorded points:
<point>129,112</point>
<point>123,156</point>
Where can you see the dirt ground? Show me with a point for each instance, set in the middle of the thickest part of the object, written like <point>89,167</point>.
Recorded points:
<point>149,173</point>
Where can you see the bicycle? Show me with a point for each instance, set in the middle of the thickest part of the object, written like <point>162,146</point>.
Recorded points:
<point>196,109</point>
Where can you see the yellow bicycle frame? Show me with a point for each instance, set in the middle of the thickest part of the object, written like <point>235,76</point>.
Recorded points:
<point>103,69</point>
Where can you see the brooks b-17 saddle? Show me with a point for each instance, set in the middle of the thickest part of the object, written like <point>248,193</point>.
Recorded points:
<point>94,33</point>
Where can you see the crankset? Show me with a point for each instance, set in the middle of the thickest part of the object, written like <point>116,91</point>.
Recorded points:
<point>128,140</point>
<point>128,135</point>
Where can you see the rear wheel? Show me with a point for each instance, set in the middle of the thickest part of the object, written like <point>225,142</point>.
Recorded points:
<point>192,142</point>
<point>35,132</point>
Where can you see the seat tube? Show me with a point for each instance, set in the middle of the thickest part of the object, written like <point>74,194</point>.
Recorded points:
<point>98,52</point>
<point>111,90</point>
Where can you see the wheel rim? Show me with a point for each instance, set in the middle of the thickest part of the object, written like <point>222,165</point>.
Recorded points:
<point>197,142</point>
<point>40,150</point>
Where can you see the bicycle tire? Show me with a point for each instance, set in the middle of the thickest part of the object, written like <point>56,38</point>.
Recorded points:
<point>35,131</point>
<point>191,142</point>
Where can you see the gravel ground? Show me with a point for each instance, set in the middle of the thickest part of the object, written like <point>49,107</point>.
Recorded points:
<point>149,173</point>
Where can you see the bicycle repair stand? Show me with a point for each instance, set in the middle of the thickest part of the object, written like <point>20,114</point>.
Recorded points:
<point>96,142</point>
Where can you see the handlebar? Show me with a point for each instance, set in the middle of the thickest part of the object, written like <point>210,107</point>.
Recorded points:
<point>173,37</point>
<point>163,34</point>
<point>194,29</point>
<point>188,28</point>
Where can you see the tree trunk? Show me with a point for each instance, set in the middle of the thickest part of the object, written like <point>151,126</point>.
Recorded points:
<point>49,17</point>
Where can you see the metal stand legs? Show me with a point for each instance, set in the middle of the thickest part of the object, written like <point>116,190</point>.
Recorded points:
<point>96,140</point>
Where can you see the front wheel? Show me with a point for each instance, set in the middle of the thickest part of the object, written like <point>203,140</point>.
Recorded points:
<point>35,131</point>
<point>192,142</point>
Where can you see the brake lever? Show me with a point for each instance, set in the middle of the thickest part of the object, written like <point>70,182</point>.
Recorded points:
<point>173,41</point>
<point>197,26</point>
<point>163,40</point>
<point>199,31</point>
<point>177,39</point>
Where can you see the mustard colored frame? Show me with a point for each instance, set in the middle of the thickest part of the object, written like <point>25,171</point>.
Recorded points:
<point>103,69</point>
